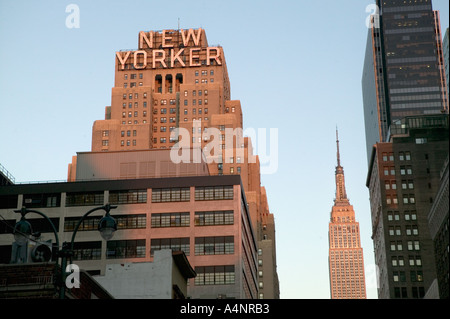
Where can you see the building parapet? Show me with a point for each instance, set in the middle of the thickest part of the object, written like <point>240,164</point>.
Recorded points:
<point>403,126</point>
<point>9,178</point>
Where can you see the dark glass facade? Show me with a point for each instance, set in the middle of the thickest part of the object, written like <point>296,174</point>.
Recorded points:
<point>405,56</point>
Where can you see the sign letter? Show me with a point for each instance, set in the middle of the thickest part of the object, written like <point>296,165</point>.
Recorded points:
<point>192,57</point>
<point>160,58</point>
<point>190,34</point>
<point>122,60</point>
<point>215,57</point>
<point>136,64</point>
<point>148,40</point>
<point>166,38</point>
<point>174,57</point>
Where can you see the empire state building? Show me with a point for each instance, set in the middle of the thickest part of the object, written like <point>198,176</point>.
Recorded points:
<point>346,260</point>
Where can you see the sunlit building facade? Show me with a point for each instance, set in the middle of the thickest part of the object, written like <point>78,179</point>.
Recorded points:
<point>206,217</point>
<point>346,260</point>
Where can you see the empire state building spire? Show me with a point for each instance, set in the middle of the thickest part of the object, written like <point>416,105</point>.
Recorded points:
<point>346,261</point>
<point>341,194</point>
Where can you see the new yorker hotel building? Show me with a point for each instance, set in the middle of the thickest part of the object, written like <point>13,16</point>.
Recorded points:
<point>176,80</point>
<point>173,78</point>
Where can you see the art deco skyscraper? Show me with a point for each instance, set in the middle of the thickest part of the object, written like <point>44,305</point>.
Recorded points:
<point>404,71</point>
<point>176,82</point>
<point>346,261</point>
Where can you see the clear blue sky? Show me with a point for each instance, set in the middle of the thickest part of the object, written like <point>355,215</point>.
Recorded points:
<point>302,57</point>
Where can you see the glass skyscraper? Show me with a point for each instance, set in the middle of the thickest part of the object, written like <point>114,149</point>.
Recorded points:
<point>404,71</point>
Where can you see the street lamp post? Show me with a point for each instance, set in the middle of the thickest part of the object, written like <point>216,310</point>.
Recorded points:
<point>22,230</point>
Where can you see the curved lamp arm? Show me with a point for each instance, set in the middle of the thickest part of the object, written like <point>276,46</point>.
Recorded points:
<point>106,208</point>
<point>25,211</point>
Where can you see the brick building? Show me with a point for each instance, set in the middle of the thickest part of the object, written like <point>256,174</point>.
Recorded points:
<point>404,179</point>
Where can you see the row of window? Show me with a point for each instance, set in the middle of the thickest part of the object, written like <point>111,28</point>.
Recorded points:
<point>138,221</point>
<point>406,184</point>
<point>412,245</point>
<point>133,122</point>
<point>91,222</point>
<point>402,292</point>
<point>161,220</point>
<point>203,246</point>
<point>133,114</point>
<point>136,105</point>
<point>171,195</point>
<point>404,170</point>
<point>196,102</point>
<point>132,84</point>
<point>411,230</point>
<point>407,199</point>
<point>399,261</point>
<point>402,156</point>
<point>194,110</point>
<point>213,193</point>
<point>215,275</point>
<point>212,218</point>
<point>116,249</point>
<point>407,215</point>
<point>400,276</point>
<point>125,197</point>
<point>115,198</point>
<point>133,76</point>
<point>214,246</point>
<point>136,95</point>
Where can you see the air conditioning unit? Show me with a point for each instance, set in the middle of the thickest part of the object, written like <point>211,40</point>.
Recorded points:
<point>40,251</point>
<point>31,252</point>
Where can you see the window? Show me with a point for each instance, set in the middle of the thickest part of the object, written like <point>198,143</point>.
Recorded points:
<point>160,195</point>
<point>41,200</point>
<point>422,140</point>
<point>397,261</point>
<point>176,244</point>
<point>214,218</point>
<point>214,246</point>
<point>214,193</point>
<point>399,276</point>
<point>170,220</point>
<point>415,261</point>
<point>215,275</point>
<point>418,292</point>
<point>88,224</point>
<point>90,250</point>
<point>125,249</point>
<point>416,276</point>
<point>128,197</point>
<point>84,199</point>
<point>413,245</point>
<point>131,221</point>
